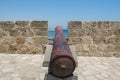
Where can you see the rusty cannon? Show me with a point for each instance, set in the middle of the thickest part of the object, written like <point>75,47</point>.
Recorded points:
<point>62,63</point>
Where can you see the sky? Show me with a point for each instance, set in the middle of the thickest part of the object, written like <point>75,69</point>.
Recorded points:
<point>60,12</point>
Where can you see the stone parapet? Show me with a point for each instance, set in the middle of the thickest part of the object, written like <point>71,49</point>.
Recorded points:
<point>95,38</point>
<point>23,37</point>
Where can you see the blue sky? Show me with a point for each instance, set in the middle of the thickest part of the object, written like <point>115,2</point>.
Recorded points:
<point>59,12</point>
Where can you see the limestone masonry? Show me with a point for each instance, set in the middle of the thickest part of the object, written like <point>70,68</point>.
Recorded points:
<point>101,38</point>
<point>23,36</point>
<point>92,38</point>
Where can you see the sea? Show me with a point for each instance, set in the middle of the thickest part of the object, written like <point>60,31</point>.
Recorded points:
<point>51,34</point>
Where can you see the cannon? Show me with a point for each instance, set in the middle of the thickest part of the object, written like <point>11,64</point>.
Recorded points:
<point>62,63</point>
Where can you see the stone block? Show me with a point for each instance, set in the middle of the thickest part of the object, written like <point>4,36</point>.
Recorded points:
<point>30,32</point>
<point>116,54</point>
<point>93,48</point>
<point>4,48</point>
<point>2,33</point>
<point>91,31</point>
<point>23,49</point>
<point>107,32</point>
<point>109,39</point>
<point>39,25</point>
<point>117,47</point>
<point>108,54</point>
<point>91,24</point>
<point>100,26</point>
<point>37,50</point>
<point>6,25</point>
<point>40,40</point>
<point>74,40</point>
<point>111,47</point>
<point>102,47</point>
<point>24,32</point>
<point>75,25</point>
<point>98,39</point>
<point>14,33</point>
<point>117,32</point>
<point>117,40</point>
<point>85,54</point>
<point>115,28</point>
<point>40,32</point>
<point>115,25</point>
<point>87,40</point>
<point>20,40</point>
<point>106,25</point>
<point>13,48</point>
<point>78,47</point>
<point>85,47</point>
<point>72,33</point>
<point>95,54</point>
<point>81,32</point>
<point>22,24</point>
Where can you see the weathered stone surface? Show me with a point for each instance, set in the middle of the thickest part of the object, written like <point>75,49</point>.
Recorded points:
<point>117,47</point>
<point>23,49</point>
<point>117,32</point>
<point>81,32</point>
<point>106,25</point>
<point>39,32</point>
<point>39,24</point>
<point>40,40</point>
<point>100,26</point>
<point>102,47</point>
<point>109,39</point>
<point>13,48</point>
<point>111,47</point>
<point>75,25</point>
<point>37,50</point>
<point>108,54</point>
<point>22,24</point>
<point>117,40</point>
<point>74,40</point>
<point>28,67</point>
<point>20,40</point>
<point>78,47</point>
<point>72,33</point>
<point>85,47</point>
<point>23,36</point>
<point>107,32</point>
<point>87,40</point>
<point>95,54</point>
<point>6,25</point>
<point>115,25</point>
<point>13,33</point>
<point>89,24</point>
<point>115,28</point>
<point>98,39</point>
<point>4,48</point>
<point>102,36</point>
<point>116,54</point>
<point>93,48</point>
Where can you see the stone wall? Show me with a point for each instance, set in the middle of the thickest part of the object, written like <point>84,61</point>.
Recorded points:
<point>23,36</point>
<point>101,38</point>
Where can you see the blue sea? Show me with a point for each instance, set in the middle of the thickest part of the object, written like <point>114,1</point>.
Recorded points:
<point>51,34</point>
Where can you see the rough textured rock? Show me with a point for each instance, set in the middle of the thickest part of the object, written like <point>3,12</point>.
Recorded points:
<point>23,37</point>
<point>98,38</point>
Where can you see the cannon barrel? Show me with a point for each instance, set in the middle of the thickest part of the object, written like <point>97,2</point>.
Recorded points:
<point>62,63</point>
